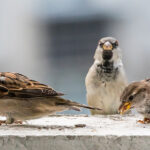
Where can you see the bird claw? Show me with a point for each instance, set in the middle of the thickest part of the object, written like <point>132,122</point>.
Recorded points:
<point>145,121</point>
<point>18,122</point>
<point>2,122</point>
<point>5,122</point>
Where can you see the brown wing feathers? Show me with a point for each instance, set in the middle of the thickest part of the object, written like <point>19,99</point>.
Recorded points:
<point>15,84</point>
<point>37,92</point>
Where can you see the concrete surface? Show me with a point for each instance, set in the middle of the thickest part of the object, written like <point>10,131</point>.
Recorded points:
<point>77,133</point>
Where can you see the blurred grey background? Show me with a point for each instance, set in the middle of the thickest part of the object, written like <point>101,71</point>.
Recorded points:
<point>54,41</point>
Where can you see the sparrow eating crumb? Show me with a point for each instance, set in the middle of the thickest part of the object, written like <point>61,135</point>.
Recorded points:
<point>137,95</point>
<point>23,99</point>
<point>106,79</point>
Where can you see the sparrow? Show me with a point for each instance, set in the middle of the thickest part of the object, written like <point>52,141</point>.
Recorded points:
<point>106,78</point>
<point>137,95</point>
<point>23,99</point>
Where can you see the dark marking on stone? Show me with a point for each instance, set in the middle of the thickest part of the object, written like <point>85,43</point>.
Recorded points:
<point>80,125</point>
<point>69,137</point>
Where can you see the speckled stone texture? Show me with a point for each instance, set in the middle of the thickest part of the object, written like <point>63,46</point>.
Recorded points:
<point>82,132</point>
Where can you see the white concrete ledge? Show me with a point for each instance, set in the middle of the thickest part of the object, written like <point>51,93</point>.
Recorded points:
<point>77,133</point>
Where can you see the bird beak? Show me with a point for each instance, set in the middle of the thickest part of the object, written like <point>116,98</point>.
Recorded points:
<point>107,46</point>
<point>124,107</point>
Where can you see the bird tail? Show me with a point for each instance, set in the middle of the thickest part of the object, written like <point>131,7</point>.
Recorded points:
<point>74,105</point>
<point>78,105</point>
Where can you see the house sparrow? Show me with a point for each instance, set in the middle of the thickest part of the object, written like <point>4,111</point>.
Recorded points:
<point>137,95</point>
<point>106,79</point>
<point>23,99</point>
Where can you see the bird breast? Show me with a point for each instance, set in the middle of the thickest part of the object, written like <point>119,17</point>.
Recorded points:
<point>105,94</point>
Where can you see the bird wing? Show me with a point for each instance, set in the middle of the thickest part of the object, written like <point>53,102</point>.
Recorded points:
<point>18,85</point>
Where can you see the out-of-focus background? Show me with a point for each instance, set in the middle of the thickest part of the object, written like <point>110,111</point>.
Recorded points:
<point>54,41</point>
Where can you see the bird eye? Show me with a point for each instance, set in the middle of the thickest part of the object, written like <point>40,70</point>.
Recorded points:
<point>115,44</point>
<point>101,44</point>
<point>131,98</point>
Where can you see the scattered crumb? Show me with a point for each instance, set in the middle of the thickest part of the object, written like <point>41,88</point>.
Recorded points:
<point>80,125</point>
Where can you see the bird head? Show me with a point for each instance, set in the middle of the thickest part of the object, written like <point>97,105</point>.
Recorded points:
<point>107,49</point>
<point>133,96</point>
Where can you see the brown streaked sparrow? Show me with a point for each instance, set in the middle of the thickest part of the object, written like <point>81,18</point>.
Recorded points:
<point>23,99</point>
<point>106,79</point>
<point>137,95</point>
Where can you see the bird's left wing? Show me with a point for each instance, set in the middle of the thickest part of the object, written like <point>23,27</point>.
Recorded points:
<point>18,85</point>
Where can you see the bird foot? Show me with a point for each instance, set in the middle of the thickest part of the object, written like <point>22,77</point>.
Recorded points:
<point>5,122</point>
<point>2,122</point>
<point>145,121</point>
<point>18,122</point>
